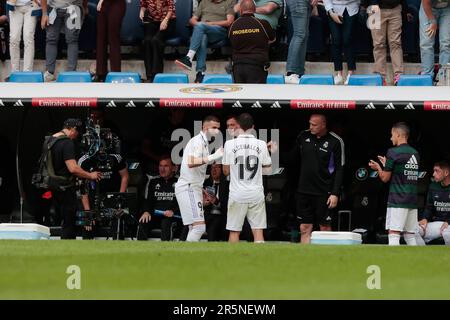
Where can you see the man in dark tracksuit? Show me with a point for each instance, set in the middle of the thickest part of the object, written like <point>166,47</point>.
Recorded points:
<point>250,39</point>
<point>322,158</point>
<point>160,198</point>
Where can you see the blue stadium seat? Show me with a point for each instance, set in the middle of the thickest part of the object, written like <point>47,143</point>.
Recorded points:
<point>26,76</point>
<point>275,79</point>
<point>74,76</point>
<point>132,30</point>
<point>183,9</point>
<point>324,79</point>
<point>415,80</point>
<point>218,78</point>
<point>365,80</point>
<point>123,77</point>
<point>171,78</point>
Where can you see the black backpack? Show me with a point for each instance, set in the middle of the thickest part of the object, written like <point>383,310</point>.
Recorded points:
<point>46,178</point>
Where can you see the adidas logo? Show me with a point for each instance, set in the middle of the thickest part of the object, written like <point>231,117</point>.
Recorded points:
<point>237,104</point>
<point>150,104</point>
<point>130,104</point>
<point>111,104</point>
<point>1,103</point>
<point>276,105</point>
<point>410,106</point>
<point>370,106</point>
<point>256,105</point>
<point>18,103</point>
<point>328,218</point>
<point>412,163</point>
<point>390,106</point>
<point>308,140</point>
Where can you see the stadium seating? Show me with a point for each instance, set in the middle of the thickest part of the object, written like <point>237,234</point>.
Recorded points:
<point>218,78</point>
<point>275,79</point>
<point>183,9</point>
<point>415,80</point>
<point>73,76</point>
<point>123,77</point>
<point>325,79</point>
<point>26,76</point>
<point>171,78</point>
<point>365,80</point>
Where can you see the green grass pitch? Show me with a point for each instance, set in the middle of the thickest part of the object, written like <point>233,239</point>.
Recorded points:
<point>156,270</point>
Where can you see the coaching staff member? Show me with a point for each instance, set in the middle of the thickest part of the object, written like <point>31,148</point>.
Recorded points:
<point>250,39</point>
<point>322,158</point>
<point>65,164</point>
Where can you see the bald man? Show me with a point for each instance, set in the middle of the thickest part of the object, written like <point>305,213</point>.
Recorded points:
<point>250,39</point>
<point>322,158</point>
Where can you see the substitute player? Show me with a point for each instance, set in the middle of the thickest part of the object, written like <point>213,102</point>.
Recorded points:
<point>401,167</point>
<point>189,188</point>
<point>436,216</point>
<point>244,160</point>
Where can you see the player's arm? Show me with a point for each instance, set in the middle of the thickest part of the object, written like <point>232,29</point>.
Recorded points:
<point>124,178</point>
<point>197,161</point>
<point>266,160</point>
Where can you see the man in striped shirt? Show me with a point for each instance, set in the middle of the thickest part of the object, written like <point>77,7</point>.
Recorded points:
<point>401,168</point>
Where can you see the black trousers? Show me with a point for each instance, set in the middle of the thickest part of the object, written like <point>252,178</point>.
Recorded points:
<point>249,73</point>
<point>216,227</point>
<point>169,228</point>
<point>66,203</point>
<point>154,44</point>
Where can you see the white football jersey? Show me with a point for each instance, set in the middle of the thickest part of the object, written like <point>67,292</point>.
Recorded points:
<point>197,147</point>
<point>246,155</point>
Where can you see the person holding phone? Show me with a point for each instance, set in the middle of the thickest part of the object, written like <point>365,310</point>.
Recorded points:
<point>342,15</point>
<point>159,21</point>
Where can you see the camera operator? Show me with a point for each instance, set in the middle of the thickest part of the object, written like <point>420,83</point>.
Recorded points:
<point>65,165</point>
<point>161,196</point>
<point>114,179</point>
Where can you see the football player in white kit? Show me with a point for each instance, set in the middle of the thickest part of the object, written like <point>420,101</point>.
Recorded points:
<point>189,188</point>
<point>244,159</point>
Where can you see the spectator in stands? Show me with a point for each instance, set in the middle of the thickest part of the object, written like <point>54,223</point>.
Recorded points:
<point>250,38</point>
<point>161,203</point>
<point>299,14</point>
<point>436,216</point>
<point>210,22</point>
<point>159,21</point>
<point>434,15</point>
<point>59,16</point>
<point>391,13</point>
<point>215,202</point>
<point>342,14</point>
<point>322,158</point>
<point>22,21</point>
<point>4,26</point>
<point>109,22</point>
<point>65,165</point>
<point>114,171</point>
<point>269,10</point>
<point>400,166</point>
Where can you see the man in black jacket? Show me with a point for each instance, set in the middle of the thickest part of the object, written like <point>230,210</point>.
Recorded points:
<point>322,159</point>
<point>215,202</point>
<point>161,202</point>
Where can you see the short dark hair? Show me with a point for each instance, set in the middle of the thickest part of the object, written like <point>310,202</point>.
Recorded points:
<point>403,127</point>
<point>245,121</point>
<point>232,116</point>
<point>443,164</point>
<point>211,118</point>
<point>73,123</point>
<point>166,157</point>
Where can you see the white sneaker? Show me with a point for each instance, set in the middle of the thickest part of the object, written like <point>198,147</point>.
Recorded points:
<point>292,79</point>
<point>48,77</point>
<point>347,79</point>
<point>338,80</point>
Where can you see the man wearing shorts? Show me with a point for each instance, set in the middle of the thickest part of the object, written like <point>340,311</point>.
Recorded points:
<point>401,168</point>
<point>189,188</point>
<point>244,160</point>
<point>322,159</point>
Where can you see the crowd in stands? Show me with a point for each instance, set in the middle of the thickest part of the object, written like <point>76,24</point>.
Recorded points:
<point>209,23</point>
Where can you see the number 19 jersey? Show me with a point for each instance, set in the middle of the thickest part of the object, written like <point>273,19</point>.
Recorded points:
<point>246,156</point>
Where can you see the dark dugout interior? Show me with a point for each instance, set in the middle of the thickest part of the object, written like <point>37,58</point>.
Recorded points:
<point>366,134</point>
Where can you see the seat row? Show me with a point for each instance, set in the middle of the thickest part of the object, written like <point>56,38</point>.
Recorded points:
<point>134,77</point>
